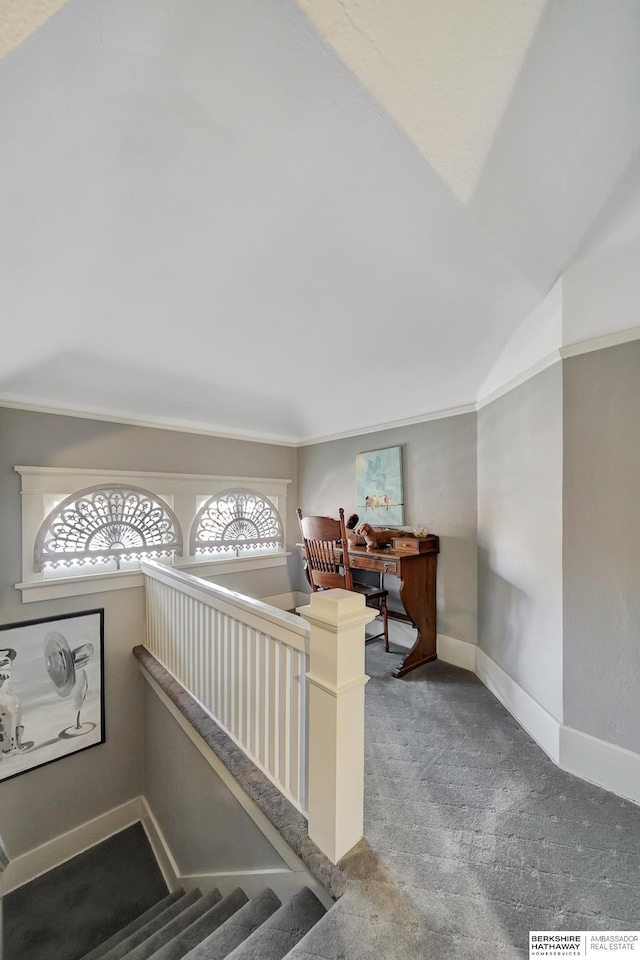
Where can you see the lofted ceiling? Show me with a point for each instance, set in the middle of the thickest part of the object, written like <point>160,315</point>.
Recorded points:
<point>293,221</point>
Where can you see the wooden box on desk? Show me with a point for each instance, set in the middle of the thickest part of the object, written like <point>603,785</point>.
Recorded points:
<point>412,544</point>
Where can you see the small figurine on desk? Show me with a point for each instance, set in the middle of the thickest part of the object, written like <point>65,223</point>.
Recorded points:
<point>363,534</point>
<point>375,539</point>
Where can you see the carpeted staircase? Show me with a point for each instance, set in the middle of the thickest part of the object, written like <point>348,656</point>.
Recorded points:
<point>190,926</point>
<point>114,895</point>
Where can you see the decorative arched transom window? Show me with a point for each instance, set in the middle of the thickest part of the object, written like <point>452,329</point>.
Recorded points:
<point>107,523</point>
<point>234,521</point>
<point>86,530</point>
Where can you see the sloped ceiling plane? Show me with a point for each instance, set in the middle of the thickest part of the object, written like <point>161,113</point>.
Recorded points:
<point>291,220</point>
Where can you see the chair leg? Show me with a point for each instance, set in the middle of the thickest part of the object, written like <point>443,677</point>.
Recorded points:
<point>385,622</point>
<point>380,606</point>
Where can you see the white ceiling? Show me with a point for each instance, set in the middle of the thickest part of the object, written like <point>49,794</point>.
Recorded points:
<point>207,218</point>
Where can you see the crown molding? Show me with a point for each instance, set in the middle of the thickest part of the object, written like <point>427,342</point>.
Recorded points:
<point>391,425</point>
<point>155,423</point>
<point>521,378</point>
<point>600,343</point>
<point>563,353</point>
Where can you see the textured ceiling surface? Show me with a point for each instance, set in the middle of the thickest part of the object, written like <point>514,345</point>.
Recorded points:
<point>208,215</point>
<point>445,71</point>
<point>20,18</point>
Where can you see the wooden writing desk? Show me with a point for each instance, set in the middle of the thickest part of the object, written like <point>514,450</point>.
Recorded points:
<point>417,571</point>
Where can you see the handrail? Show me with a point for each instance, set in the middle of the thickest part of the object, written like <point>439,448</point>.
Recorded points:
<point>212,593</point>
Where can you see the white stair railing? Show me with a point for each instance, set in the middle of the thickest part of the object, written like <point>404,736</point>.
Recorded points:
<point>243,660</point>
<point>250,666</point>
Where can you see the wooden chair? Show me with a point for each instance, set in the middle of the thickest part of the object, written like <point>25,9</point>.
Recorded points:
<point>328,565</point>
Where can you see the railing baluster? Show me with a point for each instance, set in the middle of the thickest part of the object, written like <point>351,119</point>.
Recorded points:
<point>226,671</point>
<point>251,682</point>
<point>259,727</point>
<point>266,689</point>
<point>286,708</point>
<point>235,674</point>
<point>251,693</point>
<point>275,707</point>
<point>219,640</point>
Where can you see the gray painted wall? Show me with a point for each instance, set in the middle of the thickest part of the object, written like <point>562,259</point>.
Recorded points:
<point>207,829</point>
<point>520,535</point>
<point>43,803</point>
<point>602,544</point>
<point>439,460</point>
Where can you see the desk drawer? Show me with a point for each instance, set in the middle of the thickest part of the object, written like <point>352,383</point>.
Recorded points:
<point>373,563</point>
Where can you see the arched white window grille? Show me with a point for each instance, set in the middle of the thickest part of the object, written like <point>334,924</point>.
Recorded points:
<point>236,520</point>
<point>106,523</point>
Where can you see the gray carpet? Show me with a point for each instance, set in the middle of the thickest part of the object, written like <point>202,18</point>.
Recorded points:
<point>172,930</point>
<point>71,909</point>
<point>237,928</point>
<point>282,930</point>
<point>142,934</point>
<point>203,927</point>
<point>474,837</point>
<point>130,928</point>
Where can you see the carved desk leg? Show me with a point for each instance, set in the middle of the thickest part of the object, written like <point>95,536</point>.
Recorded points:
<point>418,595</point>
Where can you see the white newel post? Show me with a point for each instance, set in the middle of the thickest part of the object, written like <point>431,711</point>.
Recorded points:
<point>336,681</point>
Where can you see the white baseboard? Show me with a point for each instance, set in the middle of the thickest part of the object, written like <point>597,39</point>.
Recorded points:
<point>600,762</point>
<point>460,653</point>
<point>539,724</point>
<point>287,601</point>
<point>168,866</point>
<point>35,862</point>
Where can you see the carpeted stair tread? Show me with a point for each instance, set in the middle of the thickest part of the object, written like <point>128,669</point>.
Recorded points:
<point>143,933</point>
<point>202,928</point>
<point>157,908</point>
<point>175,927</point>
<point>237,928</point>
<point>282,930</point>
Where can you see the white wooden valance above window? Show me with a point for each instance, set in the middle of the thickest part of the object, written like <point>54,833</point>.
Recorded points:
<point>85,531</point>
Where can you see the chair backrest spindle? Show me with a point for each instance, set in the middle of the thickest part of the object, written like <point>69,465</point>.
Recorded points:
<point>326,553</point>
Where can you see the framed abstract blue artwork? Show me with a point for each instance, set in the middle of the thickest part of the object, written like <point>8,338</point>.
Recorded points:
<point>379,491</point>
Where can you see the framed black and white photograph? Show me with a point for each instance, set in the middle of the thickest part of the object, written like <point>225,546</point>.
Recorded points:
<point>51,689</point>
